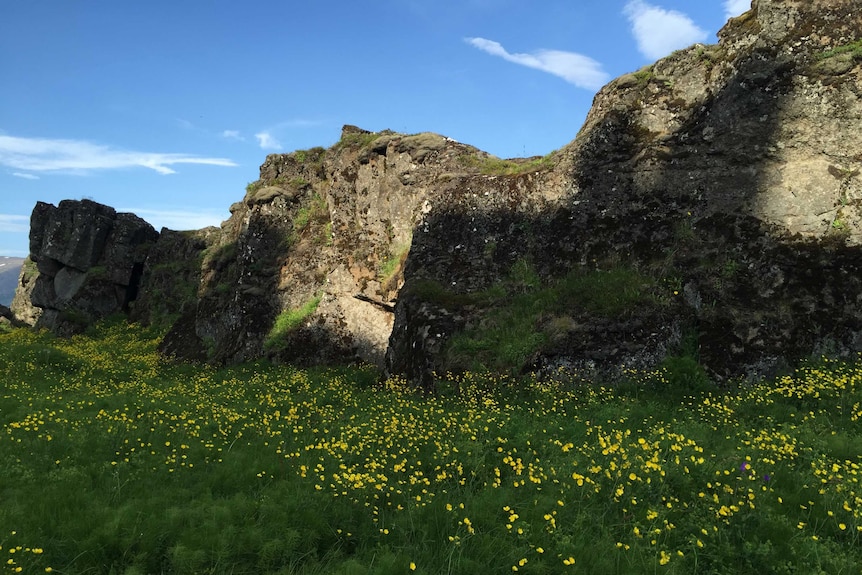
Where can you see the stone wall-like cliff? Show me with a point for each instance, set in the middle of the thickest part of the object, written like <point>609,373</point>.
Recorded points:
<point>711,207</point>
<point>321,236</point>
<point>715,194</point>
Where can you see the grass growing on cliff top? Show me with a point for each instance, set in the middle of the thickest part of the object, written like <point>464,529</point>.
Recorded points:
<point>356,140</point>
<point>114,461</point>
<point>494,166</point>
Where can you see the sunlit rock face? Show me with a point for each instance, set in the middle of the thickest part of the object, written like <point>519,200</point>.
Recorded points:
<point>324,231</point>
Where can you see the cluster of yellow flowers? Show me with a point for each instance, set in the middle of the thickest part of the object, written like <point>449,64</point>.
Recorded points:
<point>394,453</point>
<point>17,556</point>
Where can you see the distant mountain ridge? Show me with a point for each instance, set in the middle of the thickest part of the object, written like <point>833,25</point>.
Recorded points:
<point>10,268</point>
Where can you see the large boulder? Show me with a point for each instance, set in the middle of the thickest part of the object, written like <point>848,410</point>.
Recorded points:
<point>89,260</point>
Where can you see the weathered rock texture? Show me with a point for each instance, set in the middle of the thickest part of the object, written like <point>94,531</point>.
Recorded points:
<point>711,205</point>
<point>324,230</point>
<point>8,319</point>
<point>22,307</point>
<point>728,176</point>
<point>172,275</point>
<point>89,259</point>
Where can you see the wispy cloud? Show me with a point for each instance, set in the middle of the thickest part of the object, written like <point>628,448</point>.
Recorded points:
<point>14,223</point>
<point>179,219</point>
<point>658,31</point>
<point>574,68</point>
<point>232,135</point>
<point>25,176</point>
<point>268,138</point>
<point>45,155</point>
<point>733,8</point>
<point>267,141</point>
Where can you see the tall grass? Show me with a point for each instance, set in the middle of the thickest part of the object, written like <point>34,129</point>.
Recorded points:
<point>523,314</point>
<point>286,322</point>
<point>114,461</point>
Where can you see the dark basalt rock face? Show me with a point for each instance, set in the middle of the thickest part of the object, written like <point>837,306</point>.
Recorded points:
<point>727,175</point>
<point>89,259</point>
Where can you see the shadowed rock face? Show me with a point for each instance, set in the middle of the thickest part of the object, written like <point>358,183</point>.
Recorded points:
<point>712,201</point>
<point>89,260</point>
<point>727,175</point>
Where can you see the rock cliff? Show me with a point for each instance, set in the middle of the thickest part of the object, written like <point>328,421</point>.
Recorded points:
<point>308,266</point>
<point>710,207</point>
<point>715,193</point>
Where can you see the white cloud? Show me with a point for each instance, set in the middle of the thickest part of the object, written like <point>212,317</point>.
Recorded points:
<point>45,155</point>
<point>179,219</point>
<point>733,8</point>
<point>14,224</point>
<point>232,135</point>
<point>659,32</point>
<point>267,141</point>
<point>574,68</point>
<point>25,176</point>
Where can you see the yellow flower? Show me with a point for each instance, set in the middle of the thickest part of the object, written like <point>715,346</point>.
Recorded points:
<point>412,566</point>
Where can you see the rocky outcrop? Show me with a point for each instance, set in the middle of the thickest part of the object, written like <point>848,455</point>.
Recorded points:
<point>318,243</point>
<point>171,276</point>
<point>724,178</point>
<point>89,259</point>
<point>710,207</point>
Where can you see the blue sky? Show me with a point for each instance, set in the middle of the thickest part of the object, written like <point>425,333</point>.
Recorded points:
<point>166,108</point>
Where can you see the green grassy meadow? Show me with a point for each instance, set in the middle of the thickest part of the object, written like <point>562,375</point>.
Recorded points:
<point>116,461</point>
